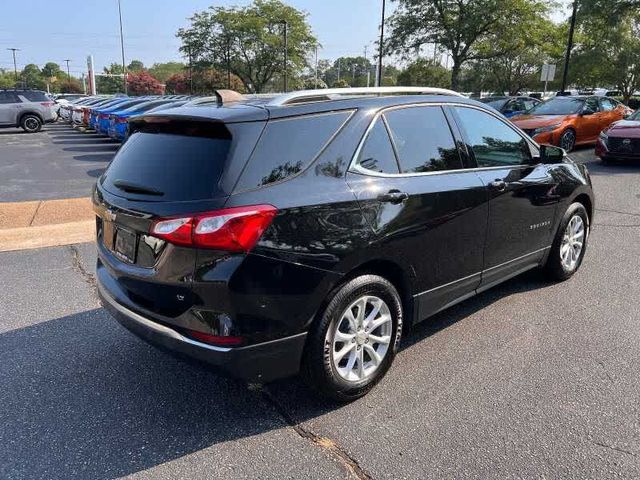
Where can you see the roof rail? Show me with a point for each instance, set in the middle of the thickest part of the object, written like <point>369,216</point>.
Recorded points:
<point>303,96</point>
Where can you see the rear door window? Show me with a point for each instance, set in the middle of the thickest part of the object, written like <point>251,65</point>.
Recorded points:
<point>287,146</point>
<point>168,166</point>
<point>423,140</point>
<point>377,153</point>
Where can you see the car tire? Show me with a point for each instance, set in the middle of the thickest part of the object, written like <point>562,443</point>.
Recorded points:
<point>31,123</point>
<point>568,140</point>
<point>344,376</point>
<point>564,258</point>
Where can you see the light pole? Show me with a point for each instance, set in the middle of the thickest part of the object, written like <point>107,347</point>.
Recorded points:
<point>286,54</point>
<point>567,55</point>
<point>366,47</point>
<point>124,68</point>
<point>15,66</point>
<point>316,76</point>
<point>380,47</point>
<point>68,72</point>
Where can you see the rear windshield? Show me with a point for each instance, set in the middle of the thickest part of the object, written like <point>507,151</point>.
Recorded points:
<point>167,167</point>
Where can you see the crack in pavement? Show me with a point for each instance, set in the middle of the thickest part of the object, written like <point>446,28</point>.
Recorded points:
<point>329,446</point>
<point>611,447</point>
<point>78,267</point>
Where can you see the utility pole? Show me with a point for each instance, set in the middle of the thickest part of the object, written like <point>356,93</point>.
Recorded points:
<point>567,55</point>
<point>366,47</point>
<point>124,67</point>
<point>339,69</point>
<point>68,72</point>
<point>228,62</point>
<point>15,66</point>
<point>316,79</point>
<point>190,71</point>
<point>380,47</point>
<point>84,84</point>
<point>286,55</point>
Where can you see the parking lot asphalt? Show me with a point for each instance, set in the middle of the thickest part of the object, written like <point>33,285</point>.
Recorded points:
<point>57,162</point>
<point>531,379</point>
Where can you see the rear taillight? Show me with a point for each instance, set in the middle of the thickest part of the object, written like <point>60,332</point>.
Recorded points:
<point>121,120</point>
<point>234,229</point>
<point>103,115</point>
<point>215,339</point>
<point>47,104</point>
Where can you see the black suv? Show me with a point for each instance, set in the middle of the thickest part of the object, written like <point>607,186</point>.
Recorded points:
<point>304,232</point>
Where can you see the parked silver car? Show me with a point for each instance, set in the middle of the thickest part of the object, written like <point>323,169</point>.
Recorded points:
<point>28,109</point>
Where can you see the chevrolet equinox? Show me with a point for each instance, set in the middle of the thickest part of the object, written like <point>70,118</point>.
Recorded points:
<point>304,232</point>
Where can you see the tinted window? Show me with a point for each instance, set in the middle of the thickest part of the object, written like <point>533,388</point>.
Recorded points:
<point>607,104</point>
<point>288,146</point>
<point>377,153</point>
<point>496,103</point>
<point>8,97</point>
<point>493,142</point>
<point>423,140</point>
<point>181,167</point>
<point>35,96</point>
<point>591,103</point>
<point>558,106</point>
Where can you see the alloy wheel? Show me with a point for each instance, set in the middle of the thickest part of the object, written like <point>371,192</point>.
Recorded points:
<point>572,243</point>
<point>31,124</point>
<point>361,338</point>
<point>568,140</point>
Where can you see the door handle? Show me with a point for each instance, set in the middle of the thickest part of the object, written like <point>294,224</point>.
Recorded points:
<point>498,185</point>
<point>393,196</point>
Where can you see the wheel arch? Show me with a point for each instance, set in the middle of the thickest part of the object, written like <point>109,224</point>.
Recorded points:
<point>29,112</point>
<point>585,200</point>
<point>392,271</point>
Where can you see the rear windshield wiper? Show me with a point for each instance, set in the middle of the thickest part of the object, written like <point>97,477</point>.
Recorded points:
<point>131,187</point>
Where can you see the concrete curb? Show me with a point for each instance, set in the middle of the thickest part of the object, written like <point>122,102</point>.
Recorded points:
<point>47,223</point>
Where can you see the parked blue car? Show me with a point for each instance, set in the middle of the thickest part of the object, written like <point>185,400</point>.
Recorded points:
<point>119,120</point>
<point>93,113</point>
<point>103,114</point>
<point>511,106</point>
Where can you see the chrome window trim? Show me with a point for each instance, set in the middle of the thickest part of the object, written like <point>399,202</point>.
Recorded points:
<point>355,168</point>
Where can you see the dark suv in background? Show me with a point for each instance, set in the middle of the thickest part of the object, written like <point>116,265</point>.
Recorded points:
<point>306,231</point>
<point>27,109</point>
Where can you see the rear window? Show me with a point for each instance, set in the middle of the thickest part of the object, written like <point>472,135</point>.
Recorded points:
<point>287,146</point>
<point>35,96</point>
<point>175,167</point>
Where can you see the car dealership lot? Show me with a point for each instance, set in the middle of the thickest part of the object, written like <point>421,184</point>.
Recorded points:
<point>58,162</point>
<point>530,379</point>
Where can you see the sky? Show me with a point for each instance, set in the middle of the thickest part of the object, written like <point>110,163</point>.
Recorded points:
<point>74,29</point>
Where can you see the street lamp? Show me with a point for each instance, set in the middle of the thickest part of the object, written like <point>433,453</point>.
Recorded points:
<point>567,55</point>
<point>15,66</point>
<point>380,47</point>
<point>286,54</point>
<point>124,68</point>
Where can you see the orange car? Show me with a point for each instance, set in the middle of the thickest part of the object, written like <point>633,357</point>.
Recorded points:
<point>570,121</point>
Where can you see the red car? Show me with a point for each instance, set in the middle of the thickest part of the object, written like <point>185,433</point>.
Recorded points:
<point>621,140</point>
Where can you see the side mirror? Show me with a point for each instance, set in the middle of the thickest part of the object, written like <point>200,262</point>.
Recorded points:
<point>550,154</point>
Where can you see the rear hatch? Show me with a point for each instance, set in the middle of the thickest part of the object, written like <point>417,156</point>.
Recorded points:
<point>168,168</point>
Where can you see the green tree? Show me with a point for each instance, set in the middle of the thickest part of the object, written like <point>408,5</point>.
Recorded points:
<point>71,85</point>
<point>250,40</point>
<point>7,79</point>
<point>457,26</point>
<point>31,77</point>
<point>135,66</point>
<point>607,56</point>
<point>110,84</point>
<point>162,71</point>
<point>425,73</point>
<point>518,66</point>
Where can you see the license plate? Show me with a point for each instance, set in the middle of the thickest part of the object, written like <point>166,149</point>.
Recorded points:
<point>125,245</point>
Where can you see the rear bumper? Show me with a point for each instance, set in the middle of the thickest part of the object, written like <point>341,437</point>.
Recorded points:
<point>258,363</point>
